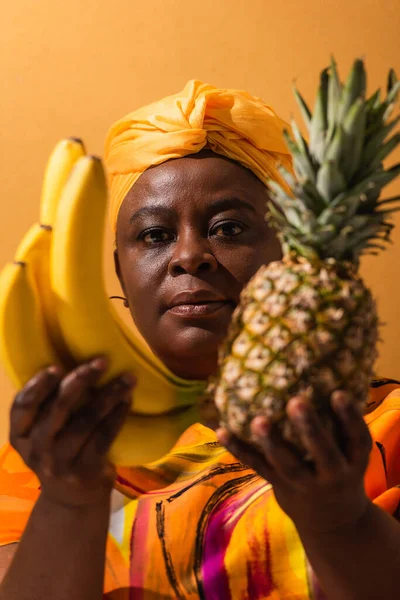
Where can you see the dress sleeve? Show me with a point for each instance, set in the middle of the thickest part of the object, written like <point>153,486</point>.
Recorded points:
<point>19,490</point>
<point>382,479</point>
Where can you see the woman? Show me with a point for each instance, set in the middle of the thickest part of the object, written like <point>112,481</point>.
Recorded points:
<point>188,199</point>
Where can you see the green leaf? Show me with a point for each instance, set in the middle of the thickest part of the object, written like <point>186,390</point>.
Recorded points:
<point>293,244</point>
<point>393,93</point>
<point>359,221</point>
<point>330,181</point>
<point>334,91</point>
<point>328,217</point>
<point>302,163</point>
<point>376,246</point>
<point>319,120</point>
<point>391,100</point>
<point>324,234</point>
<point>276,191</point>
<point>293,217</point>
<point>309,195</point>
<point>388,212</point>
<point>372,185</point>
<point>276,217</point>
<point>375,121</point>
<point>337,150</point>
<point>354,88</point>
<point>373,101</point>
<point>354,128</point>
<point>337,248</point>
<point>341,209</point>
<point>384,178</point>
<point>288,177</point>
<point>304,150</point>
<point>373,144</point>
<point>385,150</point>
<point>304,110</point>
<point>391,80</point>
<point>388,201</point>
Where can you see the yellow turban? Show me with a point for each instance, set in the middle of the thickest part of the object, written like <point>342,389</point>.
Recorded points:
<point>229,122</point>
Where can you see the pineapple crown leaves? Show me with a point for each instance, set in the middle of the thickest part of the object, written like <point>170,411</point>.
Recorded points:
<point>335,211</point>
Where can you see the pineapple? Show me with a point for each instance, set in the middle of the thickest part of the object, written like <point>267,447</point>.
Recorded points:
<point>308,325</point>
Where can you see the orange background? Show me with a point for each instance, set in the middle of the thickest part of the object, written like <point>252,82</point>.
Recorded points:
<point>72,68</point>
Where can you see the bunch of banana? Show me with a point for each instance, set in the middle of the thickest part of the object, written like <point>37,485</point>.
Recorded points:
<point>54,309</point>
<point>30,337</point>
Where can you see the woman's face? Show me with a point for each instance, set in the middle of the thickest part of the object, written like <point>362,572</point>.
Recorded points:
<point>190,234</point>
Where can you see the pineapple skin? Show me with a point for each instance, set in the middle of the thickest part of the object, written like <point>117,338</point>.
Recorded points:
<point>301,328</point>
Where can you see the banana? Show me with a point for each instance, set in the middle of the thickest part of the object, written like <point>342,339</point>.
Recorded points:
<point>57,171</point>
<point>34,249</point>
<point>88,321</point>
<point>29,334</point>
<point>143,439</point>
<point>32,326</point>
<point>24,345</point>
<point>59,166</point>
<point>35,245</point>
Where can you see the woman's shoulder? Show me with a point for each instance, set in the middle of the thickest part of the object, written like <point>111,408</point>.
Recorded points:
<point>384,397</point>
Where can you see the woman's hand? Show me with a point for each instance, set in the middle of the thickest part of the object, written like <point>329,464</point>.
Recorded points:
<point>322,497</point>
<point>62,426</point>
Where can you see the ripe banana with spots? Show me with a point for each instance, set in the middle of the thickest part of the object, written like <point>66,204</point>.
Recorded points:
<point>88,321</point>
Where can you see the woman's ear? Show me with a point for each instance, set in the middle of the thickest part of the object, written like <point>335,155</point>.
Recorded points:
<point>117,268</point>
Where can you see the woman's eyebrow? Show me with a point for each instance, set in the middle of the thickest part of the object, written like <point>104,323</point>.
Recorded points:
<point>151,211</point>
<point>230,203</point>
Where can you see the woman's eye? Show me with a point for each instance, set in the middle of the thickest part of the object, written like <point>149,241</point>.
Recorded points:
<point>155,236</point>
<point>229,229</point>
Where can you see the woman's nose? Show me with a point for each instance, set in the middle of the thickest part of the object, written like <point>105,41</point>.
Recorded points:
<point>191,255</point>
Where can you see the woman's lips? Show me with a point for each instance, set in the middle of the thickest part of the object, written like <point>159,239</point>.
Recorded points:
<point>199,309</point>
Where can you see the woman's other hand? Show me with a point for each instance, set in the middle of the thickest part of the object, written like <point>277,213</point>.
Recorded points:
<point>327,493</point>
<point>63,426</point>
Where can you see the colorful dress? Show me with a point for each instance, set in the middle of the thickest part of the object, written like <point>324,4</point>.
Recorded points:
<point>200,524</point>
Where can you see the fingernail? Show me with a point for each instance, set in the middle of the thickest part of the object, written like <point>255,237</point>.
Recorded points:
<point>300,413</point>
<point>297,409</point>
<point>260,426</point>
<point>54,370</point>
<point>341,401</point>
<point>128,379</point>
<point>99,363</point>
<point>222,436</point>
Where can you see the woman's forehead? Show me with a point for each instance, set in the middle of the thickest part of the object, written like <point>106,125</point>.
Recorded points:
<point>201,176</point>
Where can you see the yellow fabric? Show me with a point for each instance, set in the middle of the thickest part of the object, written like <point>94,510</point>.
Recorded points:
<point>198,524</point>
<point>229,122</point>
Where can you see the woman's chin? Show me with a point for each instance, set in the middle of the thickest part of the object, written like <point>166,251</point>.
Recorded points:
<point>193,354</point>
